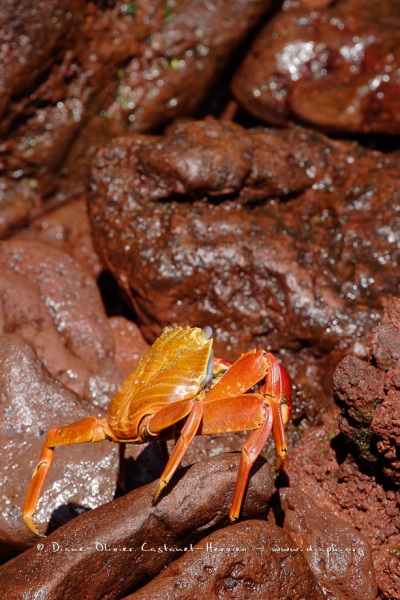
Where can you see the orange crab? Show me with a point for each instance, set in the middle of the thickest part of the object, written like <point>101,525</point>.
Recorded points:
<point>177,391</point>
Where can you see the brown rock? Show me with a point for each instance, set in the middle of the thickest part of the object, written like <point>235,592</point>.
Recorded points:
<point>51,301</point>
<point>385,343</point>
<point>332,67</point>
<point>73,75</point>
<point>319,467</point>
<point>369,396</point>
<point>254,559</point>
<point>130,345</point>
<point>265,259</point>
<point>338,555</point>
<point>104,552</point>
<point>67,228</point>
<point>32,402</point>
<point>19,203</point>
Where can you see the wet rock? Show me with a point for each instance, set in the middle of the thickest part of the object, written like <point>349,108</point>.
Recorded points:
<point>130,346</point>
<point>332,67</point>
<point>369,396</point>
<point>19,203</point>
<point>107,552</point>
<point>338,555</point>
<point>254,559</point>
<point>32,402</point>
<point>52,302</point>
<point>321,467</point>
<point>266,259</point>
<point>74,74</point>
<point>67,228</point>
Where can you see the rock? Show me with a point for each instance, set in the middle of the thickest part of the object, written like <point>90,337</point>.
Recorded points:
<point>330,67</point>
<point>32,402</point>
<point>369,395</point>
<point>19,204</point>
<point>107,552</point>
<point>254,559</point>
<point>265,259</point>
<point>52,302</point>
<point>67,228</point>
<point>338,555</point>
<point>385,343</point>
<point>321,467</point>
<point>130,345</point>
<point>73,75</point>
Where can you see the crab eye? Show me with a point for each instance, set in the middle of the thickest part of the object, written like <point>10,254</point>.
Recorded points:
<point>208,332</point>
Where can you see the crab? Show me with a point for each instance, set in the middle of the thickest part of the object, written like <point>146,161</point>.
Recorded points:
<point>179,390</point>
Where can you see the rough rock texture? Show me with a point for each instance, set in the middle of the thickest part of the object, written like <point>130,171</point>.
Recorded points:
<point>254,559</point>
<point>67,228</point>
<point>369,396</point>
<point>113,543</point>
<point>130,346</point>
<point>32,402</point>
<point>265,259</point>
<point>339,556</point>
<point>73,74</point>
<point>332,67</point>
<point>321,467</point>
<point>51,301</point>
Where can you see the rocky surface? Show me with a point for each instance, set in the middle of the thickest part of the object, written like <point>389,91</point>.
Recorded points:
<point>51,301</point>
<point>121,545</point>
<point>66,228</point>
<point>339,556</point>
<point>74,74</point>
<point>283,239</point>
<point>32,402</point>
<point>330,65</point>
<point>321,467</point>
<point>351,468</point>
<point>265,260</point>
<point>369,395</point>
<point>253,559</point>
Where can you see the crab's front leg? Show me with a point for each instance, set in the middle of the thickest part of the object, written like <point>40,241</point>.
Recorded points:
<point>226,408</point>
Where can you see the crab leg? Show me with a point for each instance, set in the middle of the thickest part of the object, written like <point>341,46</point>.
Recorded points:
<point>89,429</point>
<point>188,432</point>
<point>250,452</point>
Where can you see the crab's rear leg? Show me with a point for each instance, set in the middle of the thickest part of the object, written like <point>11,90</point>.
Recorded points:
<point>278,391</point>
<point>251,450</point>
<point>89,429</point>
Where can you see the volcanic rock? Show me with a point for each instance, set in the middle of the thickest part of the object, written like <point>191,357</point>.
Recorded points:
<point>332,67</point>
<point>339,556</point>
<point>369,396</point>
<point>321,467</point>
<point>254,559</point>
<point>74,74</point>
<point>51,301</point>
<point>32,402</point>
<point>66,228</point>
<point>121,545</point>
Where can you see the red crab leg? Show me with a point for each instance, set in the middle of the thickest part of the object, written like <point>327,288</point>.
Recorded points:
<point>188,432</point>
<point>89,429</point>
<point>250,452</point>
<point>278,389</point>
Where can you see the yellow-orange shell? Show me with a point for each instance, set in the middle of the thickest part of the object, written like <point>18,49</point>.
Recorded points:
<point>174,369</point>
